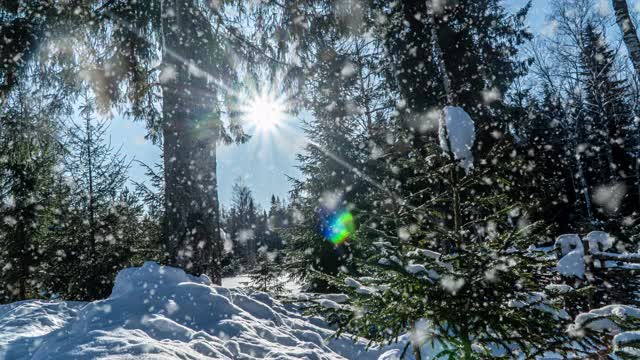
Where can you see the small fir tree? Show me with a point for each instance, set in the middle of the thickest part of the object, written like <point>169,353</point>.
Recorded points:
<point>29,150</point>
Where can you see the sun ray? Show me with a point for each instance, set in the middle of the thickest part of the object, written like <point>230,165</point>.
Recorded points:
<point>265,112</point>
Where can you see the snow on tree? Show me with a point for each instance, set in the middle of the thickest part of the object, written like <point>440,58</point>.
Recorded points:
<point>619,325</point>
<point>457,135</point>
<point>572,261</point>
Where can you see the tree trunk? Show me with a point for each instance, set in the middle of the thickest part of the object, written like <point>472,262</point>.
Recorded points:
<point>439,58</point>
<point>190,137</point>
<point>583,180</point>
<point>636,167</point>
<point>451,101</point>
<point>25,261</point>
<point>628,30</point>
<point>92,222</point>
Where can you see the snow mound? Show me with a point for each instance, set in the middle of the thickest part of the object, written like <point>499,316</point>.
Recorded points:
<point>158,312</point>
<point>458,131</point>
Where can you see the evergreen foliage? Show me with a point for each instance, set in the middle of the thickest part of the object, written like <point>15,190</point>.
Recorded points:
<point>459,259</point>
<point>268,275</point>
<point>433,244</point>
<point>350,104</point>
<point>142,58</point>
<point>29,151</point>
<point>251,232</point>
<point>99,230</point>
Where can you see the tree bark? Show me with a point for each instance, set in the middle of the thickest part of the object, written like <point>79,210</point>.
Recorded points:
<point>190,137</point>
<point>92,222</point>
<point>628,30</point>
<point>583,180</point>
<point>451,101</point>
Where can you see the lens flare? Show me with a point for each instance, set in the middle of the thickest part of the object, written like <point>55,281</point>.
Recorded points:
<point>265,112</point>
<point>339,227</point>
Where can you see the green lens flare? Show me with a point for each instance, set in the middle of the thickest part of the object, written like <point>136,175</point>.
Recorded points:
<point>340,227</point>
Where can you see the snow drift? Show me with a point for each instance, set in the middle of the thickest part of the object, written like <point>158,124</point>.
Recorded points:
<point>157,312</point>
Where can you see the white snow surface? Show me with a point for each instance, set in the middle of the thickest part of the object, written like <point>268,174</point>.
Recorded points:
<point>599,241</point>
<point>626,337</point>
<point>572,264</point>
<point>600,319</point>
<point>461,135</point>
<point>568,242</point>
<point>157,312</point>
<point>572,261</point>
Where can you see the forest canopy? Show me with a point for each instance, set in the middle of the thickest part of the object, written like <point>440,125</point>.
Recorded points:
<point>466,177</point>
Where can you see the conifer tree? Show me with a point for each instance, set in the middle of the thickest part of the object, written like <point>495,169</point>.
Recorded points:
<point>142,56</point>
<point>470,287</point>
<point>547,141</point>
<point>349,103</point>
<point>606,113</point>
<point>442,253</point>
<point>29,150</point>
<point>152,245</point>
<point>101,227</point>
<point>277,221</point>
<point>242,225</point>
<point>267,275</point>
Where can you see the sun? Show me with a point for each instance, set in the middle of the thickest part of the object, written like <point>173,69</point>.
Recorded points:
<point>265,112</point>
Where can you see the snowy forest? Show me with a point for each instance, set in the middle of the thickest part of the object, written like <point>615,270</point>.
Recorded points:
<point>468,185</point>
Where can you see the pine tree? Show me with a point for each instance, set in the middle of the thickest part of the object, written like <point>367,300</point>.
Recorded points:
<point>603,117</point>
<point>548,138</point>
<point>152,245</point>
<point>114,48</point>
<point>241,226</point>
<point>607,115</point>
<point>100,228</point>
<point>277,221</point>
<point>349,103</point>
<point>480,69</point>
<point>438,245</point>
<point>471,285</point>
<point>29,151</point>
<point>267,275</point>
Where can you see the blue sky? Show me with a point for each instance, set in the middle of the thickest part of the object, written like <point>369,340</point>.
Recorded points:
<point>264,162</point>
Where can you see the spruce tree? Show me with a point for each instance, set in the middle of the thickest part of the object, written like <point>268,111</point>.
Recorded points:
<point>152,245</point>
<point>142,57</point>
<point>349,104</point>
<point>277,221</point>
<point>607,115</point>
<point>547,138</point>
<point>267,275</point>
<point>101,226</point>
<point>29,151</point>
<point>471,287</point>
<point>241,226</point>
<point>437,245</point>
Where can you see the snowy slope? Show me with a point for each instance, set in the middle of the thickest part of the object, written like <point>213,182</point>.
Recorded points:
<point>157,312</point>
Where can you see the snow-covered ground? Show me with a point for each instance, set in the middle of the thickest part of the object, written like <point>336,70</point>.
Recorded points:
<point>157,312</point>
<point>244,281</point>
<point>238,281</point>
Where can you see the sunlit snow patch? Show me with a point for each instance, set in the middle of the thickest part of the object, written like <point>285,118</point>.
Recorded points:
<point>458,130</point>
<point>157,312</point>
